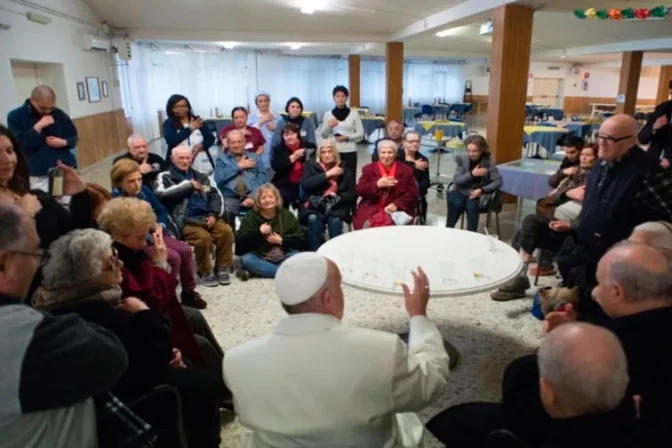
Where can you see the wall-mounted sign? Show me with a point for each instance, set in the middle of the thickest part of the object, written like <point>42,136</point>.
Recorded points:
<point>586,75</point>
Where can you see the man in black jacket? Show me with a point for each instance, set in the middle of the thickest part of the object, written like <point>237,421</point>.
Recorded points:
<point>658,132</point>
<point>570,164</point>
<point>150,164</point>
<point>395,132</point>
<point>52,366</point>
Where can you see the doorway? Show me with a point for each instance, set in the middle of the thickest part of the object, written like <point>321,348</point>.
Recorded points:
<point>548,92</point>
<point>29,74</point>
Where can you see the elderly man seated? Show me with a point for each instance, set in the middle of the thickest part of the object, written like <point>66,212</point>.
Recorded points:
<point>51,366</point>
<point>150,164</point>
<point>238,174</point>
<point>395,132</point>
<point>314,382</point>
<point>196,208</point>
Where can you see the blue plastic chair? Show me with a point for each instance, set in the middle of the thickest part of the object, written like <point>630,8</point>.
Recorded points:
<point>427,110</point>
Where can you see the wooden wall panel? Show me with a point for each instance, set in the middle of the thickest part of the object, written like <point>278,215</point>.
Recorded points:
<point>394,80</point>
<point>101,135</point>
<point>354,73</point>
<point>509,69</point>
<point>581,105</point>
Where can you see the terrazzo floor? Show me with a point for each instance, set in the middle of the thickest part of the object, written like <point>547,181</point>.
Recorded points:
<point>488,334</point>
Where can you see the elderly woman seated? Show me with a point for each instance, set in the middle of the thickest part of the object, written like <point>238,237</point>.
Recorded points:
<point>549,227</point>
<point>288,162</point>
<point>129,221</point>
<point>420,165</point>
<point>82,276</point>
<point>126,180</point>
<point>388,190</point>
<point>329,194</point>
<point>476,179</point>
<point>268,235</point>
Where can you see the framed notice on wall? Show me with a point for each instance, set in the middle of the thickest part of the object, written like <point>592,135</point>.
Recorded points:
<point>106,92</point>
<point>81,91</point>
<point>93,88</point>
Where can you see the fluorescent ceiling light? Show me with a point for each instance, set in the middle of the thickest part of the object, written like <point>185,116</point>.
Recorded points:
<point>458,30</point>
<point>294,46</point>
<point>228,45</point>
<point>310,6</point>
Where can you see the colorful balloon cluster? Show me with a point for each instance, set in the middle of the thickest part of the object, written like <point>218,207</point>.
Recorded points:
<point>659,12</point>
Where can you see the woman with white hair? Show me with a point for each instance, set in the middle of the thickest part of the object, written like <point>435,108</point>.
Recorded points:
<point>654,233</point>
<point>82,275</point>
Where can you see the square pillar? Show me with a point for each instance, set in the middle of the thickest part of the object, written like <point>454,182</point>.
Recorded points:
<point>664,84</point>
<point>394,80</point>
<point>509,68</point>
<point>354,79</point>
<point>631,69</point>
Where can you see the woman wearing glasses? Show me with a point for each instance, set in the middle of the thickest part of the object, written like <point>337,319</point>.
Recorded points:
<point>420,165</point>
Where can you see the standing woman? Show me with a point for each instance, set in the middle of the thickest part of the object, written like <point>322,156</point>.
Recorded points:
<point>265,120</point>
<point>289,158</point>
<point>345,126</point>
<point>254,140</point>
<point>476,179</point>
<point>183,127</point>
<point>294,109</point>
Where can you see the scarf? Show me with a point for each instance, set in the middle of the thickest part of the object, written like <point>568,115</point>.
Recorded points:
<point>74,295</point>
<point>333,183</point>
<point>340,114</point>
<point>297,167</point>
<point>384,172</point>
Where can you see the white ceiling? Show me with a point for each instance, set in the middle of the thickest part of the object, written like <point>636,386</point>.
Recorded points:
<point>341,27</point>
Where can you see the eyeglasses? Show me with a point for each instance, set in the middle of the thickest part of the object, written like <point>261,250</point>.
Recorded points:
<point>608,139</point>
<point>113,261</point>
<point>41,254</point>
<point>415,142</point>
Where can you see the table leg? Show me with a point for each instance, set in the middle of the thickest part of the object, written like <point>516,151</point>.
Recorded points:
<point>437,179</point>
<point>453,353</point>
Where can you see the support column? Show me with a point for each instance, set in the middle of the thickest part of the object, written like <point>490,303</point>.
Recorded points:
<point>664,84</point>
<point>353,83</point>
<point>509,68</point>
<point>394,80</point>
<point>631,69</point>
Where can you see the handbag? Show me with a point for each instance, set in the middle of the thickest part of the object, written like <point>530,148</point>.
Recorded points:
<point>380,218</point>
<point>276,254</point>
<point>323,204</point>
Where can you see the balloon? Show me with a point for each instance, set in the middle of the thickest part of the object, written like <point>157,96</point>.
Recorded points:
<point>591,13</point>
<point>659,12</point>
<point>580,13</point>
<point>641,13</point>
<point>628,13</point>
<point>615,14</point>
<point>602,14</point>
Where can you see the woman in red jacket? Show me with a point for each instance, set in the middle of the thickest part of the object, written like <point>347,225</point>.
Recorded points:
<point>386,187</point>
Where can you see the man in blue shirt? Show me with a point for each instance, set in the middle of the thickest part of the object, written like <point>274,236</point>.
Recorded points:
<point>46,134</point>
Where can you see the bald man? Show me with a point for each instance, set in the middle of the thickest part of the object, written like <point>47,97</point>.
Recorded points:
<point>626,188</point>
<point>46,135</point>
<point>395,132</point>
<point>314,382</point>
<point>581,385</point>
<point>657,133</point>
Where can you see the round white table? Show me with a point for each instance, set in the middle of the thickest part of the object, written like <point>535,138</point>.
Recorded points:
<point>457,262</point>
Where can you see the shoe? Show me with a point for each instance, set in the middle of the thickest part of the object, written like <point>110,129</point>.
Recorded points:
<point>544,271</point>
<point>243,275</point>
<point>209,280</point>
<point>512,291</point>
<point>223,276</point>
<point>193,299</point>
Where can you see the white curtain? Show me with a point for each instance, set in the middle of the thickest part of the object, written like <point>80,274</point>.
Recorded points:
<point>372,86</point>
<point>424,82</point>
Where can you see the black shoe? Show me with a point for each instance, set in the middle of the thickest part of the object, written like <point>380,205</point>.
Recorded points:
<point>243,274</point>
<point>193,299</point>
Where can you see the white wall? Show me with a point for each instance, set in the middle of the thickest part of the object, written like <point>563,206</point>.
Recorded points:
<point>603,81</point>
<point>54,43</point>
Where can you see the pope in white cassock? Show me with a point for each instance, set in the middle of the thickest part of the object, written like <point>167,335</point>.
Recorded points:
<point>313,382</point>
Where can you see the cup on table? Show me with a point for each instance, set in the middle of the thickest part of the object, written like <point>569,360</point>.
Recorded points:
<point>438,135</point>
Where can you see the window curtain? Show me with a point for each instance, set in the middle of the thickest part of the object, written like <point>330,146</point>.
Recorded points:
<point>426,81</point>
<point>372,86</point>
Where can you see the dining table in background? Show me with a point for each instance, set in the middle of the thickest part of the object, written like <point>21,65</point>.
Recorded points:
<point>449,128</point>
<point>545,136</point>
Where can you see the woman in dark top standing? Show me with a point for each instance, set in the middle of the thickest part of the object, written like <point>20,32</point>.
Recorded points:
<point>184,127</point>
<point>289,158</point>
<point>420,165</point>
<point>475,175</point>
<point>294,115</point>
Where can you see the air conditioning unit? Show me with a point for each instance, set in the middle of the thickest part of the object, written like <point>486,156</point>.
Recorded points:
<point>89,42</point>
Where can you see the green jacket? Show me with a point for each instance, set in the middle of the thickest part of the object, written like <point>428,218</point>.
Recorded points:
<point>285,224</point>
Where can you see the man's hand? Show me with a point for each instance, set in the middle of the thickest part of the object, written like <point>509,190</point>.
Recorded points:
<point>72,183</point>
<point>475,193</point>
<point>132,305</point>
<point>570,170</point>
<point>560,226</point>
<point>556,318</point>
<point>416,301</point>
<point>46,120</point>
<point>421,165</point>
<point>247,202</point>
<point>334,172</point>
<point>391,207</point>
<point>660,122</point>
<point>577,193</point>
<point>478,171</point>
<point>274,238</point>
<point>176,361</point>
<point>55,142</point>
<point>145,168</point>
<point>296,155</point>
<point>265,229</point>
<point>210,221</point>
<point>386,182</point>
<point>196,184</point>
<point>665,163</point>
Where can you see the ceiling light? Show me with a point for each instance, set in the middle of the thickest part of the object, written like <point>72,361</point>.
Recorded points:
<point>228,45</point>
<point>456,31</point>
<point>307,9</point>
<point>310,6</point>
<point>294,46</point>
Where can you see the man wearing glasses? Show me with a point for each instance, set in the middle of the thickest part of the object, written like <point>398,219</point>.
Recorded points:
<point>626,188</point>
<point>52,366</point>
